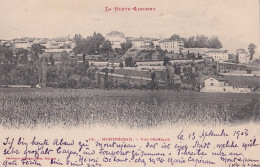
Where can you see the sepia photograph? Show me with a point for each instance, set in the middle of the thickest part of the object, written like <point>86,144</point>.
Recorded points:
<point>184,73</point>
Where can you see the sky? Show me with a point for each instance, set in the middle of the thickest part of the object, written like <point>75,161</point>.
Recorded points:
<point>235,22</point>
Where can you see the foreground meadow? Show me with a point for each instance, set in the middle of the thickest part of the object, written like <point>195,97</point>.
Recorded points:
<point>30,108</point>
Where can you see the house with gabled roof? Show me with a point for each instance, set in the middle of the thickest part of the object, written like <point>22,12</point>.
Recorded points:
<point>214,84</point>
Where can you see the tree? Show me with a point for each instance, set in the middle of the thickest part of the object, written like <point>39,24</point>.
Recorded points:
<point>152,45</point>
<point>77,38</point>
<point>24,59</point>
<point>89,45</point>
<point>79,44</point>
<point>83,68</point>
<point>5,80</point>
<point>191,42</point>
<point>215,43</point>
<point>129,62</point>
<point>248,71</point>
<point>22,55</point>
<point>166,61</point>
<point>158,48</point>
<point>6,54</point>
<point>97,39</point>
<point>106,47</point>
<point>21,51</point>
<point>128,44</point>
<point>125,47</point>
<point>37,49</point>
<point>177,70</point>
<point>153,77</point>
<point>106,83</point>
<point>175,37</point>
<point>72,83</point>
<point>51,60</point>
<point>251,49</point>
<point>202,41</point>
<point>121,65</point>
<point>8,60</point>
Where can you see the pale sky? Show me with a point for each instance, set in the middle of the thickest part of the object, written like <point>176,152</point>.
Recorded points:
<point>235,22</point>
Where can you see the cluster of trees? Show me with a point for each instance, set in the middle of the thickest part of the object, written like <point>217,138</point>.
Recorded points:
<point>251,49</point>
<point>26,67</point>
<point>129,62</point>
<point>124,47</point>
<point>97,44</point>
<point>20,66</point>
<point>199,41</point>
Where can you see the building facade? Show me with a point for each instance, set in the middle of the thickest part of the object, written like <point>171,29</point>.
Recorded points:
<point>175,46</point>
<point>116,38</point>
<point>215,82</point>
<point>218,55</point>
<point>23,44</point>
<point>243,56</point>
<point>141,44</point>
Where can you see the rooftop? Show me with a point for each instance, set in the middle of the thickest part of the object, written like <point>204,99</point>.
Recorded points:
<point>168,40</point>
<point>216,78</point>
<point>57,50</point>
<point>116,33</point>
<point>217,51</point>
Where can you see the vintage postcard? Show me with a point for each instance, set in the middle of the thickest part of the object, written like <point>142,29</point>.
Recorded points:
<point>130,83</point>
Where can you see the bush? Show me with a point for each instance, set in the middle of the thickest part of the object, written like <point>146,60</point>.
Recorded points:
<point>52,84</point>
<point>72,83</point>
<point>85,82</point>
<point>62,85</point>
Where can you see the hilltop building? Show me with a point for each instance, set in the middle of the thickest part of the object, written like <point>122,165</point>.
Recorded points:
<point>116,38</point>
<point>144,43</point>
<point>175,46</point>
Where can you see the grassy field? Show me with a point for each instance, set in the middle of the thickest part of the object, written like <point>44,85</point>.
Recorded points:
<point>243,81</point>
<point>141,109</point>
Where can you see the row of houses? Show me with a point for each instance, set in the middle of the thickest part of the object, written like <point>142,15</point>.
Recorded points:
<point>221,55</point>
<point>116,38</point>
<point>175,46</point>
<point>26,43</point>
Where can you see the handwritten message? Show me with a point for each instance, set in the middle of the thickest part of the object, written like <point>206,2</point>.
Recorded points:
<point>184,147</point>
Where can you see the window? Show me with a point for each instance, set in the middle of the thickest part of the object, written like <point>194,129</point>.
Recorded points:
<point>211,84</point>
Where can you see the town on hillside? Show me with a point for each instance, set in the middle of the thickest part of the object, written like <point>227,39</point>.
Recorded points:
<point>115,61</point>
